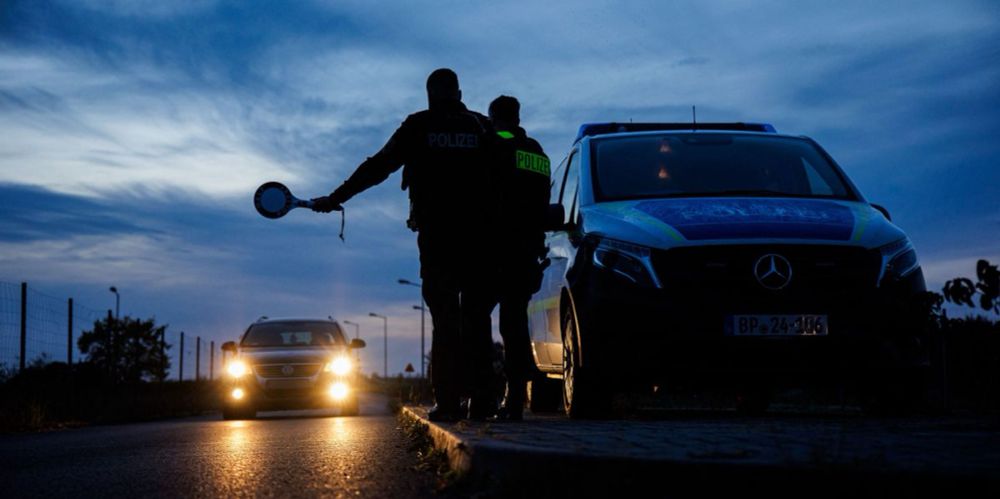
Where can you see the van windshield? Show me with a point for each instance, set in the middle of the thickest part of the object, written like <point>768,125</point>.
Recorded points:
<point>713,164</point>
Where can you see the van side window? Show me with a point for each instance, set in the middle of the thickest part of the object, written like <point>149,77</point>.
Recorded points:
<point>569,190</point>
<point>558,176</point>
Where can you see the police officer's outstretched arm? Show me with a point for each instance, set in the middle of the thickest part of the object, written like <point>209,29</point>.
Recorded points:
<point>371,172</point>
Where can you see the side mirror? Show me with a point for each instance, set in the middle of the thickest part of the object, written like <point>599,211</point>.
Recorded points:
<point>357,343</point>
<point>555,217</point>
<point>229,346</point>
<point>882,210</point>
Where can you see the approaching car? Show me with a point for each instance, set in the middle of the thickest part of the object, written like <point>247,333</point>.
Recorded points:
<point>717,251</point>
<point>290,364</point>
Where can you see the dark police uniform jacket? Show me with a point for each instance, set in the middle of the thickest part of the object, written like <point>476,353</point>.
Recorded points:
<point>524,198</point>
<point>448,173</point>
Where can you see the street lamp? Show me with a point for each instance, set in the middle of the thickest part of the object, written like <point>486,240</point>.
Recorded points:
<point>385,343</point>
<point>357,328</point>
<point>423,307</point>
<point>117,300</point>
<point>357,334</point>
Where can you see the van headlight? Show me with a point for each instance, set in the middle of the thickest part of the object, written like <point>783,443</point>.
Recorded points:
<point>899,259</point>
<point>340,366</point>
<point>237,368</point>
<point>629,261</point>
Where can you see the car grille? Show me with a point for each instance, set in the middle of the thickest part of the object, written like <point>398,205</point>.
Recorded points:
<point>720,280</point>
<point>278,370</point>
<point>814,267</point>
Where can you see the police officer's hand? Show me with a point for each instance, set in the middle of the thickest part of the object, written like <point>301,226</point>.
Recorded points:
<point>325,204</point>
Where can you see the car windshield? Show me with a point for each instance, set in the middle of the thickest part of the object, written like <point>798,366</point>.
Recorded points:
<point>293,334</point>
<point>712,164</point>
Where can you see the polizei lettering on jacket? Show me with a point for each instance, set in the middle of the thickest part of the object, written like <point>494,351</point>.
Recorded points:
<point>453,140</point>
<point>533,162</point>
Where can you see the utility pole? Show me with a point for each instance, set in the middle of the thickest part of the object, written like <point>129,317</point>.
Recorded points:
<point>69,334</point>
<point>24,320</point>
<point>385,343</point>
<point>211,360</point>
<point>197,358</point>
<point>423,312</point>
<point>118,300</point>
<point>112,357</point>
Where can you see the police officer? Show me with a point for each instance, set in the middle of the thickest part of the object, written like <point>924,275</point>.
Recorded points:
<point>447,171</point>
<point>524,198</point>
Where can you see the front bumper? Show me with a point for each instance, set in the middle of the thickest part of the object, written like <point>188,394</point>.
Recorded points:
<point>633,331</point>
<point>290,393</point>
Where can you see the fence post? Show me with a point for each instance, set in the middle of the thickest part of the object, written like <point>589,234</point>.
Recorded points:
<point>197,358</point>
<point>69,334</point>
<point>24,319</point>
<point>211,360</point>
<point>180,372</point>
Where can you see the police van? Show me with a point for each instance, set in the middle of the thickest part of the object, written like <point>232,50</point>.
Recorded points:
<point>723,252</point>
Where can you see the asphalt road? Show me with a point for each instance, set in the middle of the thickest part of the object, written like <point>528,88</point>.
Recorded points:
<point>305,453</point>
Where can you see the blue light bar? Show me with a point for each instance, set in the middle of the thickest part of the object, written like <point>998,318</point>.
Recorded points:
<point>588,129</point>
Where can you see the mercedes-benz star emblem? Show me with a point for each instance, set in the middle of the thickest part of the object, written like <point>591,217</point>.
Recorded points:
<point>773,271</point>
<point>287,370</point>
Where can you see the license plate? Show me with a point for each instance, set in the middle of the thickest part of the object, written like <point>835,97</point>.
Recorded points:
<point>288,384</point>
<point>778,325</point>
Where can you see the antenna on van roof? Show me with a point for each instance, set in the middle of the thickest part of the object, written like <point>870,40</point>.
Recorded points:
<point>694,119</point>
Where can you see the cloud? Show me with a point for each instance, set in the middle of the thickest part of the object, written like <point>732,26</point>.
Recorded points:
<point>133,133</point>
<point>146,8</point>
<point>33,214</point>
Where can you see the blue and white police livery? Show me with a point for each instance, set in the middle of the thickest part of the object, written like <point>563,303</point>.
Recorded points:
<point>718,251</point>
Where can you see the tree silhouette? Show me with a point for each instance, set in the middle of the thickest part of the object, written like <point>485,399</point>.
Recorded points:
<point>128,350</point>
<point>962,291</point>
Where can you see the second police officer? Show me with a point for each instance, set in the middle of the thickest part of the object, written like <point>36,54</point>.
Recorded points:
<point>523,172</point>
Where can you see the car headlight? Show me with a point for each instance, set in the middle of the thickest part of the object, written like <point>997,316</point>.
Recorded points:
<point>237,368</point>
<point>899,259</point>
<point>338,391</point>
<point>628,261</point>
<point>341,366</point>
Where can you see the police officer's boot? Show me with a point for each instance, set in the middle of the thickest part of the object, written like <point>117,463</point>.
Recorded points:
<point>445,413</point>
<point>482,408</point>
<point>513,404</point>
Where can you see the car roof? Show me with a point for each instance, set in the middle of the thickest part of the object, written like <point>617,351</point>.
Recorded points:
<point>267,320</point>
<point>592,129</point>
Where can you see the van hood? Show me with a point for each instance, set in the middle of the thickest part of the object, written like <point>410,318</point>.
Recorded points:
<point>666,223</point>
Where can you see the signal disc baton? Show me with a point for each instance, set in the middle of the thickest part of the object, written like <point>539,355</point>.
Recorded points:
<point>274,200</point>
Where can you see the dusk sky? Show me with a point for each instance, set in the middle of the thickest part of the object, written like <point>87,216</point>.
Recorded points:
<point>134,133</point>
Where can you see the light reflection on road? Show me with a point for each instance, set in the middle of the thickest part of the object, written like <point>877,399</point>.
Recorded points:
<point>249,455</point>
<point>337,432</point>
<point>236,464</point>
<point>280,454</point>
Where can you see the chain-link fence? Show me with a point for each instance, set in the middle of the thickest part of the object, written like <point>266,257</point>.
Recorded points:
<point>36,327</point>
<point>193,357</point>
<point>10,320</point>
